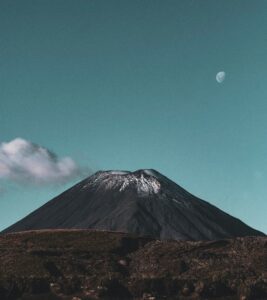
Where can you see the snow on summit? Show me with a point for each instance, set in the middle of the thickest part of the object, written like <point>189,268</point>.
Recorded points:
<point>145,182</point>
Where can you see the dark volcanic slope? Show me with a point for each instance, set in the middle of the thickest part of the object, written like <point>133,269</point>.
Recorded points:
<point>142,202</point>
<point>88,265</point>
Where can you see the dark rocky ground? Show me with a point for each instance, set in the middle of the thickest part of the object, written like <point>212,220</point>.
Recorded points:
<point>83,264</point>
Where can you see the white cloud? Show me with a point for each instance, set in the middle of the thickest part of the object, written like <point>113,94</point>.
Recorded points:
<point>24,161</point>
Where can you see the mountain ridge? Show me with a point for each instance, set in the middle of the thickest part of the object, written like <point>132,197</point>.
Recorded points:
<point>143,202</point>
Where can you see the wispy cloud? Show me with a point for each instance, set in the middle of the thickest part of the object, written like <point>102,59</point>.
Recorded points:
<point>22,161</point>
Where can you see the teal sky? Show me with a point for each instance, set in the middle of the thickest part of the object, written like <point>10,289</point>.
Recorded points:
<point>131,84</point>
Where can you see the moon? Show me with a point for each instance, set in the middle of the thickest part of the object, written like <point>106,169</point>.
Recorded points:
<point>220,76</point>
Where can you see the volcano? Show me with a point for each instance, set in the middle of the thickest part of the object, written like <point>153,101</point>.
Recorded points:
<point>144,202</point>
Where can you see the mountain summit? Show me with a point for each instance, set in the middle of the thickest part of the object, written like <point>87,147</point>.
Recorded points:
<point>143,202</point>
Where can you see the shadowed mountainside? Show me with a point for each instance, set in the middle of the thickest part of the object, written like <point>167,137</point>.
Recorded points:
<point>84,264</point>
<point>143,202</point>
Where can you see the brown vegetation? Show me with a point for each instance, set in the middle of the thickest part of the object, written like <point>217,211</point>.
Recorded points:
<point>83,264</point>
